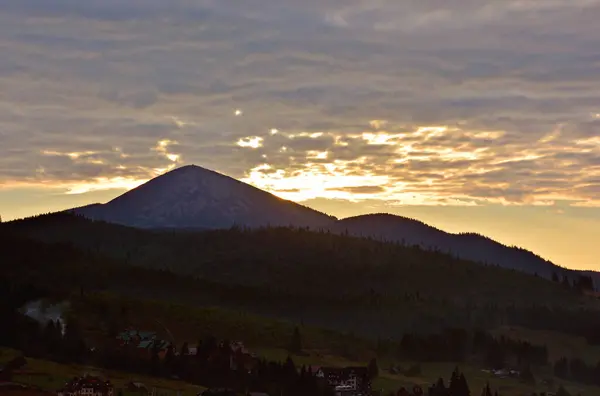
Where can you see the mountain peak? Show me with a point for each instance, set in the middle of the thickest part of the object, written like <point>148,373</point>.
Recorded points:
<point>195,197</point>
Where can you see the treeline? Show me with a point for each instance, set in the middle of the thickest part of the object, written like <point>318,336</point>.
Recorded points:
<point>460,345</point>
<point>211,366</point>
<point>581,283</point>
<point>457,386</point>
<point>577,370</point>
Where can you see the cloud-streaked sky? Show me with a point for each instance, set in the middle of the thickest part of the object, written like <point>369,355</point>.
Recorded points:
<point>470,115</point>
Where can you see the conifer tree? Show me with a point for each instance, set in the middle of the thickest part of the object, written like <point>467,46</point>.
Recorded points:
<point>454,386</point>
<point>463,386</point>
<point>296,342</point>
<point>373,369</point>
<point>486,390</point>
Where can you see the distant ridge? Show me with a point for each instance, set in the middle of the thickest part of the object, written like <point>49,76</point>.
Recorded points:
<point>469,246</point>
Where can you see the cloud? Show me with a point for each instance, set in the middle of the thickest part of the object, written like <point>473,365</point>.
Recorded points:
<point>251,142</point>
<point>361,189</point>
<point>453,102</point>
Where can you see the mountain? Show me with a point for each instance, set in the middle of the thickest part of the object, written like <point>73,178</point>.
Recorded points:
<point>468,246</point>
<point>197,198</point>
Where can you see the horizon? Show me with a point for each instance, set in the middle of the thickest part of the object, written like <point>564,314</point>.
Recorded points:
<point>469,116</point>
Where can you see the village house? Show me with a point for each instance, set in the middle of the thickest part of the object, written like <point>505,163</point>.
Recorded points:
<point>134,337</point>
<point>348,381</point>
<point>144,341</point>
<point>146,347</point>
<point>87,386</point>
<point>240,358</point>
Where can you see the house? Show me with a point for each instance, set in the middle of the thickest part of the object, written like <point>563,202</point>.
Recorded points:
<point>87,386</point>
<point>146,347</point>
<point>238,346</point>
<point>347,381</point>
<point>134,337</point>
<point>192,350</point>
<point>240,360</point>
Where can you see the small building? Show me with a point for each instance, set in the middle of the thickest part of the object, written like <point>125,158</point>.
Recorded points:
<point>147,347</point>
<point>347,381</point>
<point>134,337</point>
<point>87,386</point>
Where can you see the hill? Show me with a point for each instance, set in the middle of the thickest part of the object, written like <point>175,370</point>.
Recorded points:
<point>341,282</point>
<point>198,198</point>
<point>468,246</point>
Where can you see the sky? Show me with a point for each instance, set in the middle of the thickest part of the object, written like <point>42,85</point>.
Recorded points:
<point>471,115</point>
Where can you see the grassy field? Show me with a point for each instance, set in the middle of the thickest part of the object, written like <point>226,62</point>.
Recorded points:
<point>559,344</point>
<point>52,376</point>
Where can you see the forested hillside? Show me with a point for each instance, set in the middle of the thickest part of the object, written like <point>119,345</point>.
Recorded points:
<point>336,281</point>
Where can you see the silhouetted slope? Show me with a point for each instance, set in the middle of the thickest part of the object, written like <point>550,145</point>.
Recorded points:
<point>332,280</point>
<point>194,197</point>
<point>290,260</point>
<point>474,247</point>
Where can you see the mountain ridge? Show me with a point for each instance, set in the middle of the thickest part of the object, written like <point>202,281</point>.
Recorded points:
<point>195,198</point>
<point>467,245</point>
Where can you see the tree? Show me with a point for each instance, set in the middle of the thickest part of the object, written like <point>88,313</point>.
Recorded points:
<point>185,349</point>
<point>454,386</point>
<point>373,369</point>
<point>155,360</point>
<point>290,374</point>
<point>75,348</point>
<point>170,359</point>
<point>486,390</point>
<point>296,342</point>
<point>439,389</point>
<point>463,386</point>
<point>562,391</point>
<point>561,368</point>
<point>565,282</point>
